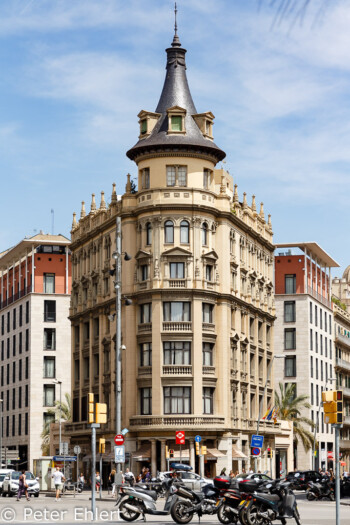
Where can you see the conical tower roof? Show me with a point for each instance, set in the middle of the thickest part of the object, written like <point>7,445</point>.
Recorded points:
<point>176,92</point>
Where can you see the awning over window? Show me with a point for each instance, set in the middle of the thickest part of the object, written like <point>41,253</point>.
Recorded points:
<point>213,454</point>
<point>143,453</point>
<point>237,454</point>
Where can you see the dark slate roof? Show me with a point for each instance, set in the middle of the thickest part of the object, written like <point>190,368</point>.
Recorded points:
<point>176,93</point>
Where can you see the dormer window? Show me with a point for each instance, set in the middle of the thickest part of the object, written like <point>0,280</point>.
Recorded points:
<point>176,120</point>
<point>143,126</point>
<point>205,123</point>
<point>147,121</point>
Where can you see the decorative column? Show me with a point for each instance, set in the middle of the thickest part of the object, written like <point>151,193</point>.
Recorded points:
<point>163,465</point>
<point>153,457</point>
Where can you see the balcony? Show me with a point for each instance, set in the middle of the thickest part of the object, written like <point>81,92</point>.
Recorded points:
<point>145,371</point>
<point>209,370</point>
<point>341,363</point>
<point>145,327</point>
<point>177,283</point>
<point>79,426</point>
<point>177,370</point>
<point>339,338</point>
<point>208,327</point>
<point>182,421</point>
<point>177,326</point>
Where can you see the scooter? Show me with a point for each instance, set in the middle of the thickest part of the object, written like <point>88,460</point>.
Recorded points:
<point>133,502</point>
<point>192,502</point>
<point>320,489</point>
<point>281,505</point>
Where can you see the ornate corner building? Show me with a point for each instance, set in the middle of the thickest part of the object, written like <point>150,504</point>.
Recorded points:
<point>199,331</point>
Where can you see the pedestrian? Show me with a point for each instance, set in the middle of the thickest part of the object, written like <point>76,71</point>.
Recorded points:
<point>81,481</point>
<point>111,484</point>
<point>243,471</point>
<point>236,473</point>
<point>231,474</point>
<point>98,482</point>
<point>129,477</point>
<point>251,471</point>
<point>223,472</point>
<point>22,486</point>
<point>58,478</point>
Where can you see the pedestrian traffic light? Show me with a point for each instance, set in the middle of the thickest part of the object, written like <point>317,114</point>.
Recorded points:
<point>204,450</point>
<point>197,448</point>
<point>91,417</point>
<point>102,446</point>
<point>333,406</point>
<point>171,453</point>
<point>269,453</point>
<point>101,413</point>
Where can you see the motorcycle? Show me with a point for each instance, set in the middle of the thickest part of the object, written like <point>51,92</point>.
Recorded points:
<point>320,489</point>
<point>281,505</point>
<point>135,501</point>
<point>192,502</point>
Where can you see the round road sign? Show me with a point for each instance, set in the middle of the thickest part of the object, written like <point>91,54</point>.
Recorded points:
<point>255,451</point>
<point>119,439</point>
<point>198,439</point>
<point>77,450</point>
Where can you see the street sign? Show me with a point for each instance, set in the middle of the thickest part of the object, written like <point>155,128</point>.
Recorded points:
<point>257,441</point>
<point>119,439</point>
<point>77,450</point>
<point>124,431</point>
<point>64,458</point>
<point>64,448</point>
<point>180,437</point>
<point>119,454</point>
<point>198,439</point>
<point>256,451</point>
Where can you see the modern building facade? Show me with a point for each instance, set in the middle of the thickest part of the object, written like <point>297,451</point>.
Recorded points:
<point>35,283</point>
<point>304,334</point>
<point>342,372</point>
<point>199,332</point>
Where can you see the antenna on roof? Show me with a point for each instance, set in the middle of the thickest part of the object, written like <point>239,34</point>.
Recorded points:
<point>176,41</point>
<point>52,221</point>
<point>175,18</point>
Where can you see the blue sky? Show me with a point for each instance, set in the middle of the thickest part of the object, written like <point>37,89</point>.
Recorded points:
<point>75,73</point>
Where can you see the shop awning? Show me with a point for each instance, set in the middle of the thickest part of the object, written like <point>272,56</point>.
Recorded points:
<point>213,454</point>
<point>237,454</point>
<point>143,453</point>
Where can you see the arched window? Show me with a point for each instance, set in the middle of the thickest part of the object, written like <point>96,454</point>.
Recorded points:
<point>204,234</point>
<point>184,232</point>
<point>148,234</point>
<point>168,232</point>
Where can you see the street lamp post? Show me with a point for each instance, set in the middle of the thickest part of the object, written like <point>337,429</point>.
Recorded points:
<point>57,382</point>
<point>276,356</point>
<point>329,380</point>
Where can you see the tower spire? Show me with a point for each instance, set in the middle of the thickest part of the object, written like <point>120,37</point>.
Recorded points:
<point>176,40</point>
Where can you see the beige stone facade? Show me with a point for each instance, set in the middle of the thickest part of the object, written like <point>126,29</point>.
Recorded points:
<point>199,331</point>
<point>342,371</point>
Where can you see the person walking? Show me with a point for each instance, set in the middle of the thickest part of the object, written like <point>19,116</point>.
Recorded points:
<point>223,472</point>
<point>111,483</point>
<point>129,477</point>
<point>22,486</point>
<point>58,479</point>
<point>98,482</point>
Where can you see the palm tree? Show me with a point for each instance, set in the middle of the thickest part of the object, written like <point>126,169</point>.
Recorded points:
<point>289,407</point>
<point>66,415</point>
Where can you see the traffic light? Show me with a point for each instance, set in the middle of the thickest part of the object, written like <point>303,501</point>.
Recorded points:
<point>197,448</point>
<point>102,446</point>
<point>269,453</point>
<point>91,416</point>
<point>333,406</point>
<point>101,413</point>
<point>204,450</point>
<point>171,453</point>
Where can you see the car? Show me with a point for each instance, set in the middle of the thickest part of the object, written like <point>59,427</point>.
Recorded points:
<point>190,479</point>
<point>300,478</point>
<point>11,483</point>
<point>257,477</point>
<point>2,477</point>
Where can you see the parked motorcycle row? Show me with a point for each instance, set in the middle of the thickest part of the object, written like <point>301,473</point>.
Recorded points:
<point>253,503</point>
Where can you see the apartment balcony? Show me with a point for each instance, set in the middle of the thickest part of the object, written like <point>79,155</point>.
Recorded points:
<point>177,326</point>
<point>208,370</point>
<point>81,427</point>
<point>145,371</point>
<point>339,338</point>
<point>182,421</point>
<point>208,327</point>
<point>144,327</point>
<point>177,370</point>
<point>176,283</point>
<point>266,427</point>
<point>341,363</point>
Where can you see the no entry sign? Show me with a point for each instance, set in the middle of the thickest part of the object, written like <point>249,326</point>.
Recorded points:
<point>119,439</point>
<point>180,437</point>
